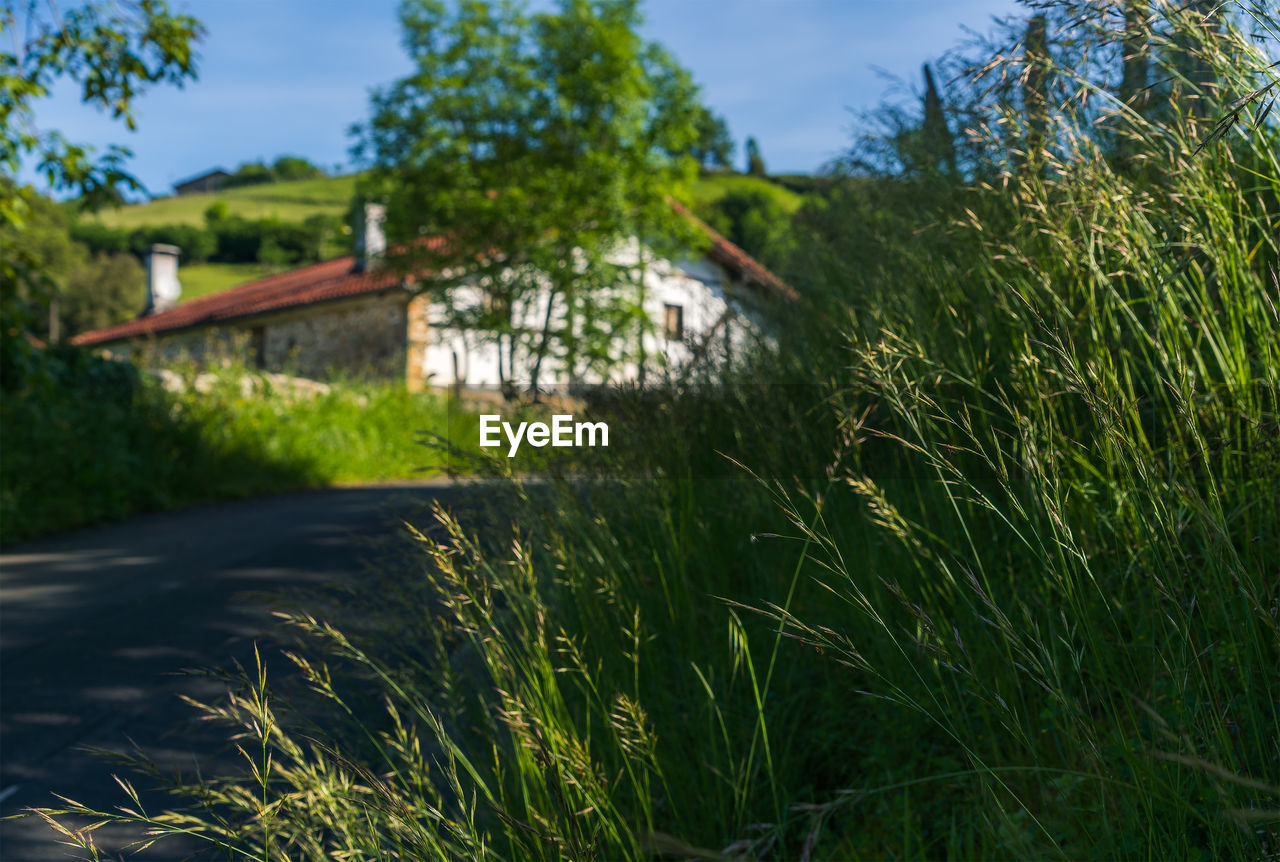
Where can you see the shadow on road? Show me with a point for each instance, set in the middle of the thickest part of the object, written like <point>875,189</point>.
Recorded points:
<point>97,627</point>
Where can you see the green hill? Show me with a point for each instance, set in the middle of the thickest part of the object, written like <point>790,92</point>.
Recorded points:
<point>286,201</point>
<point>709,188</point>
<point>294,201</point>
<point>290,201</point>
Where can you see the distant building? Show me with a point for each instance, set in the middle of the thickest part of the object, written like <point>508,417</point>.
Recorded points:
<point>353,316</point>
<point>207,182</point>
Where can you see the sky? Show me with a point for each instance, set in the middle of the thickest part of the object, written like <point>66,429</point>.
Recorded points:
<point>290,76</point>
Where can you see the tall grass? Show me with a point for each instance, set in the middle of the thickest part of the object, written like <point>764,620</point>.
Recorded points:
<point>996,578</point>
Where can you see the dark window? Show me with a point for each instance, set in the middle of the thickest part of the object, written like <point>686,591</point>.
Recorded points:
<point>258,344</point>
<point>675,322</point>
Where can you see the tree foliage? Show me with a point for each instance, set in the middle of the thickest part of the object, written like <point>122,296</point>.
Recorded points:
<point>755,161</point>
<point>283,169</point>
<point>530,146</point>
<point>112,51</point>
<point>103,290</point>
<point>939,147</point>
<point>714,145</point>
<point>757,222</point>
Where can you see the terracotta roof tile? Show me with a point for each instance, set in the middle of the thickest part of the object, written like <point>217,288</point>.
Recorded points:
<point>734,258</point>
<point>332,279</point>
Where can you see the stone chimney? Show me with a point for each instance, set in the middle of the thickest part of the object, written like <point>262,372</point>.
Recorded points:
<point>163,289</point>
<point>371,241</point>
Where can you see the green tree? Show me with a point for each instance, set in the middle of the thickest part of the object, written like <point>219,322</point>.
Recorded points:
<point>250,174</point>
<point>1199,30</point>
<point>216,214</point>
<point>755,162</point>
<point>938,145</point>
<point>271,255</point>
<point>294,168</point>
<point>1035,89</point>
<point>46,249</point>
<point>101,291</point>
<point>1136,48</point>
<point>757,222</point>
<point>112,51</point>
<point>1135,60</point>
<point>531,147</point>
<point>714,145</point>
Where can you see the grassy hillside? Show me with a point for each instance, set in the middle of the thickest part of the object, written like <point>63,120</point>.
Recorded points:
<point>202,279</point>
<point>709,188</point>
<point>294,201</point>
<point>288,201</point>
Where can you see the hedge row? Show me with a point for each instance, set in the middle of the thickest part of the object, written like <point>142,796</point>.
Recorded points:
<point>229,239</point>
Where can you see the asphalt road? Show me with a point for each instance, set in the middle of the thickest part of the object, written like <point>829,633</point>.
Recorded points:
<point>96,625</point>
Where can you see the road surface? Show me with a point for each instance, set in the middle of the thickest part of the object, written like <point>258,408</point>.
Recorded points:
<point>95,624</point>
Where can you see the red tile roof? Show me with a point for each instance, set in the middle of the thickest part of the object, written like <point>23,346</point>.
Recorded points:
<point>332,279</point>
<point>736,260</point>
<point>335,279</point>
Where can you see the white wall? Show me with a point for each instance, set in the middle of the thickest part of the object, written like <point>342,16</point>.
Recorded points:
<point>702,288</point>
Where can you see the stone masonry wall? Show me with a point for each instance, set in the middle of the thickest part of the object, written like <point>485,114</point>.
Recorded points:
<point>360,337</point>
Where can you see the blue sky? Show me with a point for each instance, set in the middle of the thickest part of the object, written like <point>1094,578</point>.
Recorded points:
<point>289,76</point>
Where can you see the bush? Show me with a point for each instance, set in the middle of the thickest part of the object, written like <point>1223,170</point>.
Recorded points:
<point>241,240</point>
<point>104,290</point>
<point>89,439</point>
<point>249,174</point>
<point>99,238</point>
<point>197,244</point>
<point>284,169</point>
<point>295,168</point>
<point>755,221</point>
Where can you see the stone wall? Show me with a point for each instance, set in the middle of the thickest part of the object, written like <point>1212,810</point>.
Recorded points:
<point>364,336</point>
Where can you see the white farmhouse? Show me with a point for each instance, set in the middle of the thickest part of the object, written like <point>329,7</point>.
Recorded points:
<point>352,316</point>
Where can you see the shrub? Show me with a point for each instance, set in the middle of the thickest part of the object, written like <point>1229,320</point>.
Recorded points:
<point>249,174</point>
<point>90,439</point>
<point>295,168</point>
<point>755,221</point>
<point>197,244</point>
<point>104,290</point>
<point>99,238</point>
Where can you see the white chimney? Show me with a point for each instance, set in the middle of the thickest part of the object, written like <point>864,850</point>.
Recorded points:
<point>163,289</point>
<point>371,241</point>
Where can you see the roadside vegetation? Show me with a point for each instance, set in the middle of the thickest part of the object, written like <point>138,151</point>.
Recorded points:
<point>980,562</point>
<point>88,439</point>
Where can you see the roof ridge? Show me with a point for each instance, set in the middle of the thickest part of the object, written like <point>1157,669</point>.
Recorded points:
<point>316,282</point>
<point>738,255</point>
<point>247,287</point>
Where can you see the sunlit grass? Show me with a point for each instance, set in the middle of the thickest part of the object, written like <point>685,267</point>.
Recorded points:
<point>202,279</point>
<point>709,188</point>
<point>101,443</point>
<point>286,201</point>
